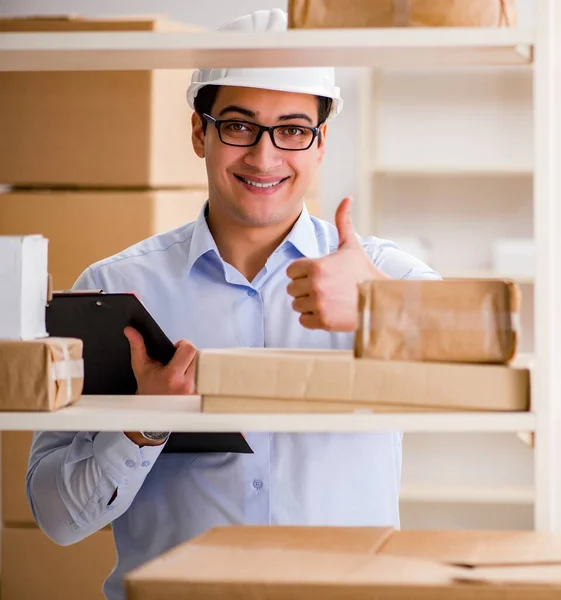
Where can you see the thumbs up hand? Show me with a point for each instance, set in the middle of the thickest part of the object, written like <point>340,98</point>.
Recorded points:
<point>325,289</point>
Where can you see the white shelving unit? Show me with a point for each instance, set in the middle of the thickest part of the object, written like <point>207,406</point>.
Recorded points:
<point>183,413</point>
<point>487,274</point>
<point>519,495</point>
<point>338,48</point>
<point>420,170</point>
<point>381,49</point>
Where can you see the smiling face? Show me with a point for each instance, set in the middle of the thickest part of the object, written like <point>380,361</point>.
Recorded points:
<point>260,185</point>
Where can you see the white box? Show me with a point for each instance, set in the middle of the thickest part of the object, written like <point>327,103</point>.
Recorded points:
<point>514,257</point>
<point>23,286</point>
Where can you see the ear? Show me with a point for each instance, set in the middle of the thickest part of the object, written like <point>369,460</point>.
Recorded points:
<point>321,145</point>
<point>197,135</point>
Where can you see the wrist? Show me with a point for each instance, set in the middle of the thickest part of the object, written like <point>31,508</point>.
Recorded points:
<point>140,440</point>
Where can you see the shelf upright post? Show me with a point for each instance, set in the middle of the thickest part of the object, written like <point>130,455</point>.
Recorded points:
<point>546,387</point>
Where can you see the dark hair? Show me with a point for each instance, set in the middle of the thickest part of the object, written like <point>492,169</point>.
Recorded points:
<point>206,97</point>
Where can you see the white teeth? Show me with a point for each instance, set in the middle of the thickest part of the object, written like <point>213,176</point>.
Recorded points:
<point>260,185</point>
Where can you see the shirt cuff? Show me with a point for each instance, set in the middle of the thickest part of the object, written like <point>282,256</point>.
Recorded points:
<point>120,458</point>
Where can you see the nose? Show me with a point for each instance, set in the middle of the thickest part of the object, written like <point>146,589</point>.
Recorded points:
<point>264,156</point>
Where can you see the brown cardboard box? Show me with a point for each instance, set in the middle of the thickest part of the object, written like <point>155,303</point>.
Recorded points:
<point>86,226</point>
<point>44,374</point>
<point>34,567</point>
<point>97,128</point>
<point>270,563</point>
<point>15,456</point>
<point>269,380</point>
<point>470,321</point>
<point>313,14</point>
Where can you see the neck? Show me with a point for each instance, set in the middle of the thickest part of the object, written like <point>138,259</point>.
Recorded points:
<point>244,247</point>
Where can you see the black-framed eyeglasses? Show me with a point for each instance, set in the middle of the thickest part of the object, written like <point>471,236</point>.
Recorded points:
<point>237,132</point>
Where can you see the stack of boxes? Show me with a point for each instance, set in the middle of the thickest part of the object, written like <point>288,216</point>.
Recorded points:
<point>420,346</point>
<point>36,373</point>
<point>31,565</point>
<point>97,161</point>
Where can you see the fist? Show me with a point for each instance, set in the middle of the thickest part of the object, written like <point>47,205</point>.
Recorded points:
<point>153,378</point>
<point>325,290</point>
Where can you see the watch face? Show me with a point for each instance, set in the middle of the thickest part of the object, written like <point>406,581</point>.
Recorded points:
<point>155,435</point>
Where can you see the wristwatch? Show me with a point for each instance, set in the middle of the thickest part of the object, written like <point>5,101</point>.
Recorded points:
<point>155,436</point>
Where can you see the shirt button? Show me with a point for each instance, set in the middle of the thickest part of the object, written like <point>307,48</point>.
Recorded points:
<point>130,463</point>
<point>145,463</point>
<point>251,292</point>
<point>257,484</point>
<point>110,507</point>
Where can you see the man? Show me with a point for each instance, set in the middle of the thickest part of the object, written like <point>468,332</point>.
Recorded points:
<point>254,270</point>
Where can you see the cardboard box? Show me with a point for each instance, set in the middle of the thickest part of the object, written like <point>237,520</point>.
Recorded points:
<point>270,563</point>
<point>473,321</point>
<point>86,226</point>
<point>401,13</point>
<point>97,128</point>
<point>14,459</point>
<point>34,567</point>
<point>43,375</point>
<point>24,277</point>
<point>269,380</point>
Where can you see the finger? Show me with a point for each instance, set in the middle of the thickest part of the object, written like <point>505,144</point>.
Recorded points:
<point>299,287</point>
<point>190,376</point>
<point>139,356</point>
<point>344,224</point>
<point>305,304</point>
<point>299,268</point>
<point>310,321</point>
<point>183,357</point>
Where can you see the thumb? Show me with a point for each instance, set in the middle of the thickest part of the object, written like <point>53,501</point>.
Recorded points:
<point>139,356</point>
<point>344,224</point>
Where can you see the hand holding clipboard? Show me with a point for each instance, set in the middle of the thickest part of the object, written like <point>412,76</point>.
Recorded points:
<point>100,320</point>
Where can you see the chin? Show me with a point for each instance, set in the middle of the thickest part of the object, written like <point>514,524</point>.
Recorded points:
<point>260,218</point>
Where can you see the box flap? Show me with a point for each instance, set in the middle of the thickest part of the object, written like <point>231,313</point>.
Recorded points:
<point>361,540</point>
<point>477,548</point>
<point>537,575</point>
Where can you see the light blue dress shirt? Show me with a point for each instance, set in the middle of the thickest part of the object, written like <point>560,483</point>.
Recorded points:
<point>163,500</point>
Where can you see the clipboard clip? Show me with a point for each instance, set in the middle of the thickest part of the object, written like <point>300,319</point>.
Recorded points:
<point>63,293</point>
<point>78,292</point>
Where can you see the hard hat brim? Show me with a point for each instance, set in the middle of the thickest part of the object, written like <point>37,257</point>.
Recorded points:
<point>336,108</point>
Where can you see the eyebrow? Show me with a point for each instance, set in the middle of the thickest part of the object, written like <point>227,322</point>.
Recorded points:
<point>294,116</point>
<point>249,113</point>
<point>243,111</point>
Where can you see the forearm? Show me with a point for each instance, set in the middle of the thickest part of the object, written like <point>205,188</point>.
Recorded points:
<point>73,477</point>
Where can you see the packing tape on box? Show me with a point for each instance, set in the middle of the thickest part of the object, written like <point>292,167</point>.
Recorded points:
<point>444,320</point>
<point>67,369</point>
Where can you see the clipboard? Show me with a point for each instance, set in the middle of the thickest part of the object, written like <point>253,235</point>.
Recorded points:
<point>98,319</point>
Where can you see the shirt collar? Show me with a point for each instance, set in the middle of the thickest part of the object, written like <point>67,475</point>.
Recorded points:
<point>302,237</point>
<point>201,241</point>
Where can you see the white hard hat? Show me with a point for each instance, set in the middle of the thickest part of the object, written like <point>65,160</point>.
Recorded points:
<point>317,81</point>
